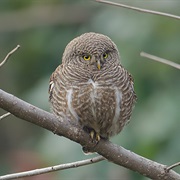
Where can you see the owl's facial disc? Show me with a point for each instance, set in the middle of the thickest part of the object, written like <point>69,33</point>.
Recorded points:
<point>96,61</point>
<point>93,60</point>
<point>100,61</point>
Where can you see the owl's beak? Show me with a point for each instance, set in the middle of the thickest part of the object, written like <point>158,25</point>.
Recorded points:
<point>98,64</point>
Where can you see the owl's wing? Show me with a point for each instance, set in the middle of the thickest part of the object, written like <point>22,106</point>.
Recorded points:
<point>53,79</point>
<point>132,84</point>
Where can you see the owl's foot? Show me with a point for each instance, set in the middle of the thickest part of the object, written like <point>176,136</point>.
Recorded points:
<point>95,136</point>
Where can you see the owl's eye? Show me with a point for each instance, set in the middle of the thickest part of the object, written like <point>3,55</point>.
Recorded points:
<point>86,57</point>
<point>105,55</point>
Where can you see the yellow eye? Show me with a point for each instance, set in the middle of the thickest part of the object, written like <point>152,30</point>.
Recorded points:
<point>105,55</point>
<point>86,57</point>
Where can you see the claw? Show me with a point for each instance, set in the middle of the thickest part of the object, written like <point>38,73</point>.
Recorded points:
<point>98,137</point>
<point>94,136</point>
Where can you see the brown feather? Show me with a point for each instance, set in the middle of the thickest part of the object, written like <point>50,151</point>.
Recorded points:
<point>101,100</point>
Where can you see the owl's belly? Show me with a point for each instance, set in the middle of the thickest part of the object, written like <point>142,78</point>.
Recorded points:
<point>97,106</point>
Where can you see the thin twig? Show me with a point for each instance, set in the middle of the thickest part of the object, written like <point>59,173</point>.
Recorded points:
<point>139,9</point>
<point>53,168</point>
<point>4,115</point>
<point>172,166</point>
<point>164,61</point>
<point>8,55</point>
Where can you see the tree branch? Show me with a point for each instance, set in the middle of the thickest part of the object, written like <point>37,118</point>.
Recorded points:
<point>53,168</point>
<point>62,126</point>
<point>172,166</point>
<point>139,9</point>
<point>164,61</point>
<point>5,115</point>
<point>8,55</point>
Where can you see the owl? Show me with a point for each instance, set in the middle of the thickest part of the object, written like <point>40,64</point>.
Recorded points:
<point>91,88</point>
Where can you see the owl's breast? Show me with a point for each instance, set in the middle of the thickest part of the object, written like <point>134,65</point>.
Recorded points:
<point>97,105</point>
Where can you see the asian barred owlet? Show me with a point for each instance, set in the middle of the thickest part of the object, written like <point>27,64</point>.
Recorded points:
<point>91,87</point>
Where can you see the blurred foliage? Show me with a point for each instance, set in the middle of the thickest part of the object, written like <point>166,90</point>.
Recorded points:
<point>154,129</point>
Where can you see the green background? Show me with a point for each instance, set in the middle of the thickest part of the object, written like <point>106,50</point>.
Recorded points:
<point>43,28</point>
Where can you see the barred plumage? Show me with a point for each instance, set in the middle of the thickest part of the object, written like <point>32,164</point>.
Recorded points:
<point>91,87</point>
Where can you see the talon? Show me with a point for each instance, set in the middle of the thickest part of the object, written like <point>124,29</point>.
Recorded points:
<point>92,134</point>
<point>98,137</point>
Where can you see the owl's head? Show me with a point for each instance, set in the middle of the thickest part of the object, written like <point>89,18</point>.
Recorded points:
<point>91,50</point>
